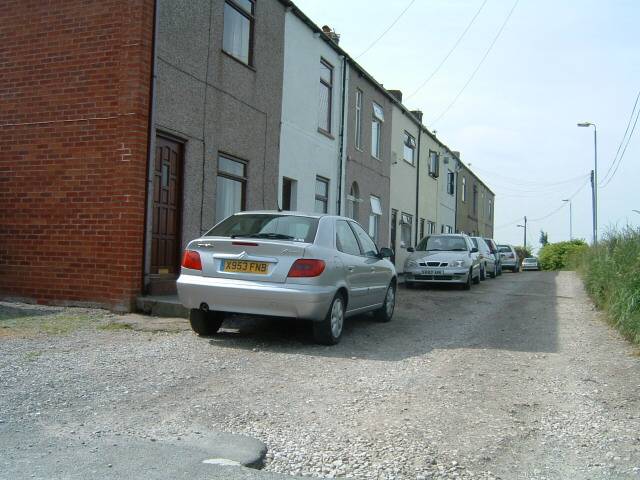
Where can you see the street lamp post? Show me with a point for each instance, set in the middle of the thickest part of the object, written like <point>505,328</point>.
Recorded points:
<point>594,179</point>
<point>525,232</point>
<point>637,211</point>
<point>570,219</point>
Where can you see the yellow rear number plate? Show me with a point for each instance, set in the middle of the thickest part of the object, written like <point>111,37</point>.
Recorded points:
<point>243,266</point>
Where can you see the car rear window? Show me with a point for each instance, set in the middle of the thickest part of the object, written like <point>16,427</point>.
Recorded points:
<point>442,243</point>
<point>504,248</point>
<point>530,260</point>
<point>271,226</point>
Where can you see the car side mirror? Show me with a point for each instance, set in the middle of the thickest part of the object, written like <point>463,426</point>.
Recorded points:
<point>386,252</point>
<point>411,249</point>
<point>474,250</point>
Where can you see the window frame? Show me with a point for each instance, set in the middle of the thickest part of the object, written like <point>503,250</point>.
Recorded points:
<point>329,86</point>
<point>451,185</point>
<point>249,16</point>
<point>406,220</point>
<point>434,164</point>
<point>377,120</point>
<point>243,180</point>
<point>464,189</point>
<point>409,141</point>
<point>358,119</point>
<point>422,223</point>
<point>377,217</point>
<point>475,199</point>
<point>324,199</point>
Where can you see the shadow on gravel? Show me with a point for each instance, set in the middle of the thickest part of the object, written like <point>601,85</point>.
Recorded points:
<point>8,312</point>
<point>514,312</point>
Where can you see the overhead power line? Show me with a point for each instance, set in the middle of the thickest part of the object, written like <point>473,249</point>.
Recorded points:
<point>604,178</point>
<point>484,57</point>
<point>455,45</point>
<point>388,28</point>
<point>624,150</point>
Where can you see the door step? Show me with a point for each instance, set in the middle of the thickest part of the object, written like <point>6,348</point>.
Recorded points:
<point>162,306</point>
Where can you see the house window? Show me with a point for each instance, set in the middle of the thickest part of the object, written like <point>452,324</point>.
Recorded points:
<point>451,182</point>
<point>431,227</point>
<point>326,96</point>
<point>409,148</point>
<point>374,217</point>
<point>475,199</point>
<point>238,29</point>
<point>231,186</point>
<point>464,189</point>
<point>353,200</point>
<point>376,130</point>
<point>406,222</point>
<point>421,228</point>
<point>289,190</point>
<point>448,229</point>
<point>322,195</point>
<point>359,119</point>
<point>434,164</point>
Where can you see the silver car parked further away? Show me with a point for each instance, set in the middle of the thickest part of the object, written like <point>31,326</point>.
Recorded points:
<point>487,259</point>
<point>530,263</point>
<point>314,267</point>
<point>448,258</point>
<point>510,258</point>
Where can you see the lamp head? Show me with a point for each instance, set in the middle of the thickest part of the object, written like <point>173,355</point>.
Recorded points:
<point>585,124</point>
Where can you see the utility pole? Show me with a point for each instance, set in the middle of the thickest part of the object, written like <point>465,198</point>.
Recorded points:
<point>570,219</point>
<point>594,179</point>
<point>525,231</point>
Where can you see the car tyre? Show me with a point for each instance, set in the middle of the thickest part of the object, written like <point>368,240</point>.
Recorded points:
<point>329,330</point>
<point>467,284</point>
<point>205,323</point>
<point>385,313</point>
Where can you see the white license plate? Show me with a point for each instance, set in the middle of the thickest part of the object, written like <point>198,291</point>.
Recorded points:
<point>433,272</point>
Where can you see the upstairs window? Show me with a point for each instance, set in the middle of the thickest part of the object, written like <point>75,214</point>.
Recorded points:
<point>231,187</point>
<point>359,119</point>
<point>434,164</point>
<point>326,96</point>
<point>376,130</point>
<point>451,182</point>
<point>409,148</point>
<point>374,217</point>
<point>237,36</point>
<point>490,209</point>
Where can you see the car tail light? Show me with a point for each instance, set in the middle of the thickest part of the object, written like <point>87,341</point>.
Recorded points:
<point>306,267</point>
<point>191,259</point>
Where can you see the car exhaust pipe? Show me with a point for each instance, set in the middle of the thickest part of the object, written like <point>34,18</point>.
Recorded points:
<point>204,307</point>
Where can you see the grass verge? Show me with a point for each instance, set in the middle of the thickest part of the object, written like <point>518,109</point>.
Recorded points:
<point>611,273</point>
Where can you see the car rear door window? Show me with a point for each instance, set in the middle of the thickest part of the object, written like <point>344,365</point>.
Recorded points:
<point>345,239</point>
<point>368,246</point>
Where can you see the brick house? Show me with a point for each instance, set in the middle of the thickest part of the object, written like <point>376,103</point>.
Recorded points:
<point>87,216</point>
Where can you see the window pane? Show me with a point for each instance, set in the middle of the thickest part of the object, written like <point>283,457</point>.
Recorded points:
<point>408,154</point>
<point>376,207</point>
<point>321,206</point>
<point>228,197</point>
<point>246,5</point>
<point>375,138</point>
<point>237,29</point>
<point>368,246</point>
<point>324,108</point>
<point>378,112</point>
<point>345,239</point>
<point>231,166</point>
<point>322,187</point>
<point>325,73</point>
<point>302,229</point>
<point>358,119</point>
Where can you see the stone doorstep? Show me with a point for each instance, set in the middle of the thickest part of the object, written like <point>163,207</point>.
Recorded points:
<point>162,306</point>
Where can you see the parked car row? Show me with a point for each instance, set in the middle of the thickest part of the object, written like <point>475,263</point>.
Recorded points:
<point>317,267</point>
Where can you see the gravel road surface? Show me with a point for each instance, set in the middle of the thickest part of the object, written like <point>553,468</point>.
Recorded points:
<point>518,378</point>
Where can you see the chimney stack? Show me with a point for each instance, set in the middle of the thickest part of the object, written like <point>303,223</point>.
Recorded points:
<point>417,114</point>
<point>331,33</point>
<point>456,153</point>
<point>397,94</point>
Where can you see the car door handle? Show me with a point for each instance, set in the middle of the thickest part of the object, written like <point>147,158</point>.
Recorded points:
<point>373,269</point>
<point>351,268</point>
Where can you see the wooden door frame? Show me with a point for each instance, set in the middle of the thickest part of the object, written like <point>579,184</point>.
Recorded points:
<point>148,230</point>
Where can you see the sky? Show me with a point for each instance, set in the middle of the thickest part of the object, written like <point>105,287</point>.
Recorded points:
<point>555,63</point>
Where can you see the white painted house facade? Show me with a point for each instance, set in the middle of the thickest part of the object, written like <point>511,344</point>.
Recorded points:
<point>310,153</point>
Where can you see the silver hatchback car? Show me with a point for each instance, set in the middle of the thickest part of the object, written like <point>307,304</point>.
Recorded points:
<point>285,264</point>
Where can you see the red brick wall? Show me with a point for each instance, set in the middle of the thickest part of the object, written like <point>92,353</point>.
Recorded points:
<point>74,100</point>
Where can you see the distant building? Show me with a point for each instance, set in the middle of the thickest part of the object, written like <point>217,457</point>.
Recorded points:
<point>475,204</point>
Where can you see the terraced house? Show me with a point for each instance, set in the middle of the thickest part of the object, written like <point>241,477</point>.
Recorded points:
<point>131,127</point>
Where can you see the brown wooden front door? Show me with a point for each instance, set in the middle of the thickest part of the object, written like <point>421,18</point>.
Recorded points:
<point>167,208</point>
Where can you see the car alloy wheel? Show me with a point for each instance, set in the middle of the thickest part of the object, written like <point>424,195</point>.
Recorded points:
<point>337,317</point>
<point>329,330</point>
<point>385,313</point>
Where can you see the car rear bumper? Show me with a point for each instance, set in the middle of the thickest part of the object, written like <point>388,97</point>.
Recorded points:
<point>255,298</point>
<point>508,264</point>
<point>530,267</point>
<point>450,275</point>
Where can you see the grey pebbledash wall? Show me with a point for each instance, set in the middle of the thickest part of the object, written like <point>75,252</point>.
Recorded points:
<point>215,103</point>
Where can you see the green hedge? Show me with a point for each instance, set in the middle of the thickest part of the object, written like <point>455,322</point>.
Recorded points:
<point>611,274</point>
<point>556,256</point>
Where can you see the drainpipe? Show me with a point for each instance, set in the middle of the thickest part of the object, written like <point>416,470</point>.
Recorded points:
<point>418,187</point>
<point>151,146</point>
<point>341,154</point>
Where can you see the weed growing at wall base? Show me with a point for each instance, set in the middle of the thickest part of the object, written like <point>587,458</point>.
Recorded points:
<point>611,273</point>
